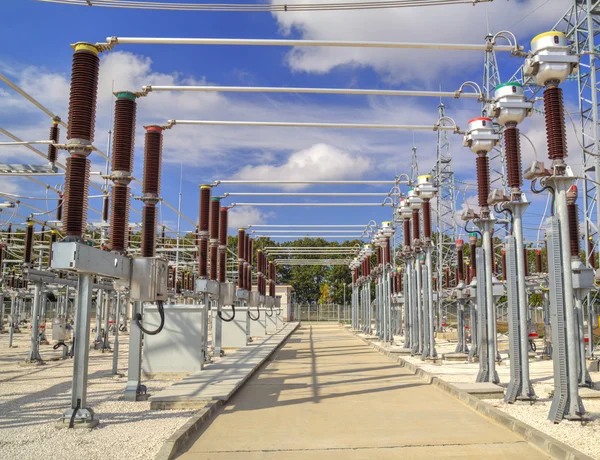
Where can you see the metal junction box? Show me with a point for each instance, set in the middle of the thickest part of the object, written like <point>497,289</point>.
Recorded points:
<point>82,258</point>
<point>149,279</point>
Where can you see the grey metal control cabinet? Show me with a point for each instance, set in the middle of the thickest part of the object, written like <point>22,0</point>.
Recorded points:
<point>177,348</point>
<point>258,328</point>
<point>233,332</point>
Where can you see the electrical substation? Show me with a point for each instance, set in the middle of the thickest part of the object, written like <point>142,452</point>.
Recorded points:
<point>443,305</point>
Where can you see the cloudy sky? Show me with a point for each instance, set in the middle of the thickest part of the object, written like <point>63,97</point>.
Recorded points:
<point>36,55</point>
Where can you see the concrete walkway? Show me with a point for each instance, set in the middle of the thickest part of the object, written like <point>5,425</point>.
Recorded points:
<point>326,395</point>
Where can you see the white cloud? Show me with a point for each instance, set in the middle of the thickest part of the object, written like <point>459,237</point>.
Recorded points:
<point>442,24</point>
<point>318,162</point>
<point>244,216</point>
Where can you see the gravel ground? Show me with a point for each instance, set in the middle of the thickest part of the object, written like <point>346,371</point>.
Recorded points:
<point>33,398</point>
<point>583,437</point>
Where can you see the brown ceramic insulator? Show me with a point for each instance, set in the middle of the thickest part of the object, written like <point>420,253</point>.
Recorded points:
<point>525,262</point>
<point>512,150</point>
<point>388,252</point>
<point>447,277</point>
<point>223,226</point>
<point>416,224</point>
<point>246,247</point>
<point>76,196</point>
<point>504,267</point>
<point>214,262</point>
<point>241,243</point>
<point>240,279</point>
<point>148,230</point>
<point>59,208</point>
<point>250,251</point>
<point>493,251</point>
<point>28,251</point>
<point>468,277</point>
<point>406,232</point>
<point>460,264</point>
<point>204,207</point>
<point>538,261</point>
<point>249,278</point>
<point>222,266</point>
<point>483,180</point>
<point>105,205</point>
<point>573,229</point>
<point>271,271</point>
<point>82,100</point>
<point>215,206</point>
<point>119,218</point>
<point>52,150</point>
<point>399,282</point>
<point>124,134</point>
<point>378,256</point>
<point>556,134</point>
<point>427,219</point>
<point>53,238</point>
<point>354,276</point>
<point>203,258</point>
<point>152,161</point>
<point>473,260</point>
<point>592,254</point>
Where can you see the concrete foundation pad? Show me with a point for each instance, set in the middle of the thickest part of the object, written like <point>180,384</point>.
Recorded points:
<point>593,365</point>
<point>481,390</point>
<point>450,336</point>
<point>589,393</point>
<point>61,424</point>
<point>400,350</point>
<point>455,357</point>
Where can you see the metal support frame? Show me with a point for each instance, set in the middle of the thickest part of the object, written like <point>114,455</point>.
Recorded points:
<point>34,352</point>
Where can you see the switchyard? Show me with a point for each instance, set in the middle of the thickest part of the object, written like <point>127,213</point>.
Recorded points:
<point>250,268</point>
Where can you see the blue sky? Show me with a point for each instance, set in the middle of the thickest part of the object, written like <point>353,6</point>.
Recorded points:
<point>36,55</point>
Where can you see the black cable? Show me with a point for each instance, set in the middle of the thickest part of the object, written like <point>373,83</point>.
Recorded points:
<point>257,316</point>
<point>510,213</point>
<point>60,344</point>
<point>161,312</point>
<point>220,315</point>
<point>472,231</point>
<point>74,414</point>
<point>546,187</point>
<point>270,314</point>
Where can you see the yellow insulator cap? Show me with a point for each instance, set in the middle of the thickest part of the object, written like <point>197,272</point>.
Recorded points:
<point>547,34</point>
<point>30,223</point>
<point>86,47</point>
<point>205,186</point>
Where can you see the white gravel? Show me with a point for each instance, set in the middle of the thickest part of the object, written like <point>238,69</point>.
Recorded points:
<point>583,437</point>
<point>33,398</point>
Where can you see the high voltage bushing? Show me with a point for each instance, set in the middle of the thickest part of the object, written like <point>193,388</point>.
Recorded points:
<point>460,260</point>
<point>203,230</point>
<point>512,149</point>
<point>259,270</point>
<point>241,254</point>
<point>249,266</point>
<point>538,261</point>
<point>526,264</point>
<point>223,218</point>
<point>272,276</point>
<point>246,263</point>
<point>28,251</point>
<point>472,258</point>
<point>151,187</point>
<point>415,228</point>
<point>504,268</point>
<point>54,136</point>
<point>215,206</point>
<point>122,165</point>
<point>80,135</point>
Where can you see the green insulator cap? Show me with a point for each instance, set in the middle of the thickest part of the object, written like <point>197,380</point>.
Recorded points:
<point>510,83</point>
<point>126,95</point>
<point>215,198</point>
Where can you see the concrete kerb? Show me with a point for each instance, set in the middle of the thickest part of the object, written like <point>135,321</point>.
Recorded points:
<point>178,439</point>
<point>546,443</point>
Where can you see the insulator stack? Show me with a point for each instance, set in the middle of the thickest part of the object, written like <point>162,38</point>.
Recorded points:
<point>512,149</point>
<point>406,232</point>
<point>455,276</point>
<point>8,235</point>
<point>460,263</point>
<point>378,256</point>
<point>473,260</point>
<point>215,206</point>
<point>416,224</point>
<point>105,203</point>
<point>249,260</point>
<point>556,134</point>
<point>119,218</point>
<point>504,267</point>
<point>28,251</point>
<point>84,90</point>
<point>203,231</point>
<point>222,266</point>
<point>447,277</point>
<point>148,230</point>
<point>526,261</point>
<point>573,229</point>
<point>592,254</point>
<point>59,208</point>
<point>427,220</point>
<point>272,279</point>
<point>223,219</point>
<point>399,282</point>
<point>52,150</point>
<point>483,180</point>
<point>468,275</point>
<point>152,161</point>
<point>388,252</point>
<point>76,196</point>
<point>241,252</point>
<point>354,276</point>
<point>538,261</point>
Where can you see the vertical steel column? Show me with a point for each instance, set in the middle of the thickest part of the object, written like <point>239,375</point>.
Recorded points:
<point>11,326</point>
<point>107,302</point>
<point>486,225</point>
<point>408,307</point>
<point>483,333</point>
<point>1,305</point>
<point>418,346</point>
<point>99,299</point>
<point>34,351</point>
<point>117,310</point>
<point>134,390</point>
<point>426,307</point>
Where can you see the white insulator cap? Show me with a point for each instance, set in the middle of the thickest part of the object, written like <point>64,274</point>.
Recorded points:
<point>387,229</point>
<point>426,187</point>
<point>405,211</point>
<point>481,135</point>
<point>510,104</point>
<point>368,249</point>
<point>552,58</point>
